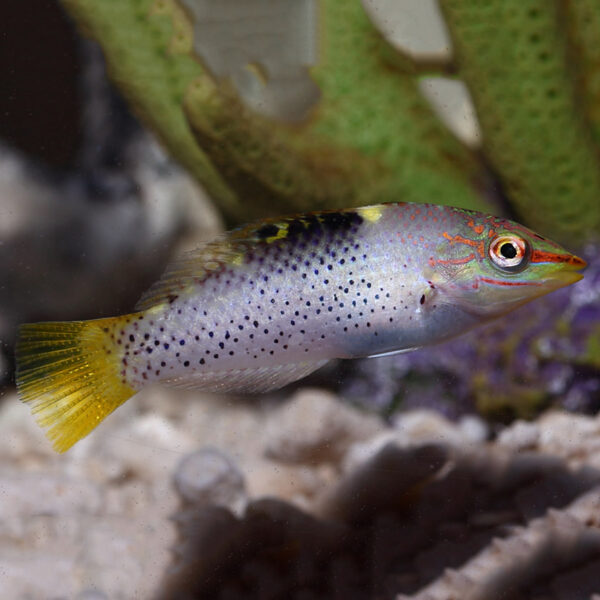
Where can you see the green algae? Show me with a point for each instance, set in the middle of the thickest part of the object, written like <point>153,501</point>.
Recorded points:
<point>521,402</point>
<point>591,354</point>
<point>582,18</point>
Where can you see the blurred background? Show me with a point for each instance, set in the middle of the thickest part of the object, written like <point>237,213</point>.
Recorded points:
<point>133,130</point>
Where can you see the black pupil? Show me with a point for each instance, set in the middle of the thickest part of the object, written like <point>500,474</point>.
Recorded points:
<point>508,250</point>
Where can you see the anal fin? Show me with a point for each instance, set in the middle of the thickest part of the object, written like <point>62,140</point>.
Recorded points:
<point>245,381</point>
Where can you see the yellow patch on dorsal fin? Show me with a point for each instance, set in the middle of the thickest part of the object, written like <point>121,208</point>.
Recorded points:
<point>372,214</point>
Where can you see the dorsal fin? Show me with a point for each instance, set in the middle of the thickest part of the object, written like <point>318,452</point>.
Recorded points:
<point>230,248</point>
<point>191,268</point>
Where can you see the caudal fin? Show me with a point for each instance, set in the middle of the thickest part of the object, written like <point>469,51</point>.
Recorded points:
<point>68,373</point>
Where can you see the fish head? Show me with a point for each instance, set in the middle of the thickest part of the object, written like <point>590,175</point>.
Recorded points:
<point>491,266</point>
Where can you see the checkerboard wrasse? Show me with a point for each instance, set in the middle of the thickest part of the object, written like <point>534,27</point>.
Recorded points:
<point>266,304</point>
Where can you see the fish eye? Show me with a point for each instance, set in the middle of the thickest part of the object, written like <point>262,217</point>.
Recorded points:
<point>509,253</point>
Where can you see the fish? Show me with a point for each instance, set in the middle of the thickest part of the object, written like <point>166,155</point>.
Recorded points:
<point>271,302</point>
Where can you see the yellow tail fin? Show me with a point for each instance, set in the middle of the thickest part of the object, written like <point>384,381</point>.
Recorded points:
<point>68,373</point>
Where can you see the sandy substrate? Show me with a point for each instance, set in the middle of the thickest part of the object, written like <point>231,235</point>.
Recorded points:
<point>185,495</point>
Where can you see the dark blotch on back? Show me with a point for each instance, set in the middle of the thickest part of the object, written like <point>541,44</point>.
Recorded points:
<point>336,221</point>
<point>267,231</point>
<point>330,222</point>
<point>295,227</point>
<point>312,224</point>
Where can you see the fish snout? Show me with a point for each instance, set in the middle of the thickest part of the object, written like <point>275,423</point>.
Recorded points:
<point>566,267</point>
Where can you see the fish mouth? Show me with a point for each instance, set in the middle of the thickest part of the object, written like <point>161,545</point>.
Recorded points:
<point>567,278</point>
<point>569,272</point>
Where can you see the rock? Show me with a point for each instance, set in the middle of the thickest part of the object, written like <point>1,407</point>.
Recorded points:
<point>426,426</point>
<point>433,511</point>
<point>37,575</point>
<point>474,429</point>
<point>565,538</point>
<point>147,445</point>
<point>381,483</point>
<point>91,595</point>
<point>24,494</point>
<point>314,427</point>
<point>208,476</point>
<point>569,435</point>
<point>520,435</point>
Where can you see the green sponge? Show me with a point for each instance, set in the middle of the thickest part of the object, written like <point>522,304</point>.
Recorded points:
<point>513,55</point>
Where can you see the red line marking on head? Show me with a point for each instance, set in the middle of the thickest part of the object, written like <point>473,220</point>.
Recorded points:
<point>508,283</point>
<point>538,256</point>
<point>459,239</point>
